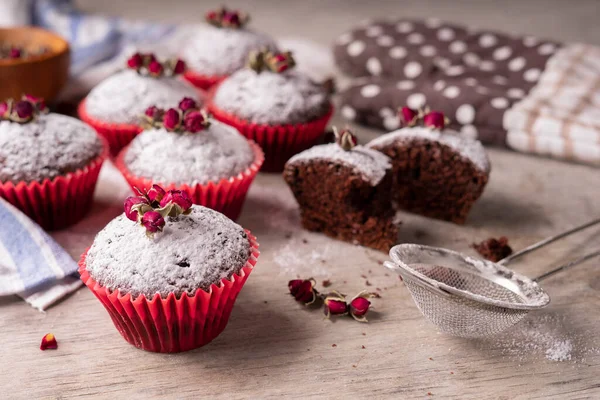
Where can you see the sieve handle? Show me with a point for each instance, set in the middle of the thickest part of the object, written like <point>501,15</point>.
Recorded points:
<point>567,266</point>
<point>400,270</point>
<point>547,241</point>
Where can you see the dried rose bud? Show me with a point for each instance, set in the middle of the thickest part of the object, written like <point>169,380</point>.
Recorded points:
<point>24,110</point>
<point>408,116</point>
<point>172,119</point>
<point>179,67</point>
<point>49,342</point>
<point>303,290</point>
<point>132,206</point>
<point>155,68</point>
<point>194,122</point>
<point>15,52</point>
<point>280,62</point>
<point>345,139</point>
<point>181,201</point>
<point>153,222</point>
<point>136,61</point>
<point>153,112</point>
<point>212,16</point>
<point>359,306</point>
<point>231,19</point>
<point>187,103</point>
<point>5,107</point>
<point>38,102</point>
<point>156,193</point>
<point>435,120</point>
<point>334,304</point>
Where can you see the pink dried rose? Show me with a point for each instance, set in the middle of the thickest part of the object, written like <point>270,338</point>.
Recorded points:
<point>408,116</point>
<point>345,139</point>
<point>280,62</point>
<point>172,119</point>
<point>359,306</point>
<point>334,304</point>
<point>14,52</point>
<point>180,199</point>
<point>4,109</point>
<point>303,290</point>
<point>49,342</point>
<point>153,222</point>
<point>194,122</point>
<point>187,103</point>
<point>153,112</point>
<point>155,68</point>
<point>156,193</point>
<point>136,61</point>
<point>179,67</point>
<point>435,120</point>
<point>133,205</point>
<point>24,110</point>
<point>38,102</point>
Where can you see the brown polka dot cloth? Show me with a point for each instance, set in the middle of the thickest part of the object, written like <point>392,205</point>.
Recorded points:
<point>472,76</point>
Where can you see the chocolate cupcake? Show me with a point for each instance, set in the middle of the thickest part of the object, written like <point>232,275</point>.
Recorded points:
<point>49,163</point>
<point>281,109</point>
<point>437,172</point>
<point>344,191</point>
<point>221,48</point>
<point>184,148</point>
<point>168,272</point>
<point>114,106</point>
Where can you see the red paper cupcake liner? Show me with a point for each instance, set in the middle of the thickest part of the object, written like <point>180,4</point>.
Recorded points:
<point>226,196</point>
<point>56,203</point>
<point>172,324</point>
<point>279,142</point>
<point>203,82</point>
<point>117,135</point>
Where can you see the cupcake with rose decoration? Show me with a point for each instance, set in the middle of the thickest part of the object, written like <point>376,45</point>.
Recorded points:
<point>113,108</point>
<point>184,148</point>
<point>221,48</point>
<point>49,163</point>
<point>280,108</point>
<point>168,272</point>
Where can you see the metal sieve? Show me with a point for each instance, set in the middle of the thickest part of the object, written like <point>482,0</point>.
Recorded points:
<point>469,297</point>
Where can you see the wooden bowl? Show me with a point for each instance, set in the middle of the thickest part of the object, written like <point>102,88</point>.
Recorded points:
<point>41,75</point>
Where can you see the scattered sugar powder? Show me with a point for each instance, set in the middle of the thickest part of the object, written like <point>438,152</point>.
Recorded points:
<point>209,155</point>
<point>270,98</point>
<point>560,351</point>
<point>469,149</point>
<point>216,51</point>
<point>297,258</point>
<point>123,97</point>
<point>50,146</point>
<point>367,162</point>
<point>194,251</point>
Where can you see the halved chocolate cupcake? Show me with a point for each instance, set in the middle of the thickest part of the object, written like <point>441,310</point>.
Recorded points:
<point>437,172</point>
<point>344,191</point>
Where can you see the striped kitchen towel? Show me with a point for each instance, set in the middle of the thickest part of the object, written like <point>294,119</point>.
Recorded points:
<point>32,265</point>
<point>560,117</point>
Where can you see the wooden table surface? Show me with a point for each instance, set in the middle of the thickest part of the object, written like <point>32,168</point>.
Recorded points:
<point>274,347</point>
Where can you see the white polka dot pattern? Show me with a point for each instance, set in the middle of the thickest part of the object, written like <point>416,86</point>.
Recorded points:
<point>413,69</point>
<point>356,48</point>
<point>370,90</point>
<point>374,66</point>
<point>416,100</point>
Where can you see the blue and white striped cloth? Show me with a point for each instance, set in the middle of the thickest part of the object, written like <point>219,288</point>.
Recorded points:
<point>32,265</point>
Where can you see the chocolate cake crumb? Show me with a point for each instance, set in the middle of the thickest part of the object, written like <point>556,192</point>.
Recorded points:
<point>326,283</point>
<point>494,249</point>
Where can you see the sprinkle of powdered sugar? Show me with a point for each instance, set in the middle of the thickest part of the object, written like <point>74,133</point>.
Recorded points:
<point>369,163</point>
<point>270,98</point>
<point>209,155</point>
<point>193,252</point>
<point>123,97</point>
<point>47,147</point>
<point>469,149</point>
<point>218,51</point>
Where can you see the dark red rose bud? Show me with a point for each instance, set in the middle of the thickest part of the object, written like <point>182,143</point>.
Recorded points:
<point>14,52</point>
<point>334,304</point>
<point>179,67</point>
<point>24,110</point>
<point>172,119</point>
<point>153,112</point>
<point>435,120</point>
<point>187,104</point>
<point>132,206</point>
<point>231,19</point>
<point>212,16</point>
<point>156,193</point>
<point>194,122</point>
<point>38,102</point>
<point>153,222</point>
<point>49,342</point>
<point>180,199</point>
<point>408,116</point>
<point>359,306</point>
<point>155,68</point>
<point>136,61</point>
<point>303,290</point>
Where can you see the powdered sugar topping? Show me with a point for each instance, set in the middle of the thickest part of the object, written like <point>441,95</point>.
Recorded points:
<point>218,51</point>
<point>123,97</point>
<point>469,149</point>
<point>47,147</point>
<point>193,252</point>
<point>270,98</point>
<point>209,155</point>
<point>369,163</point>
